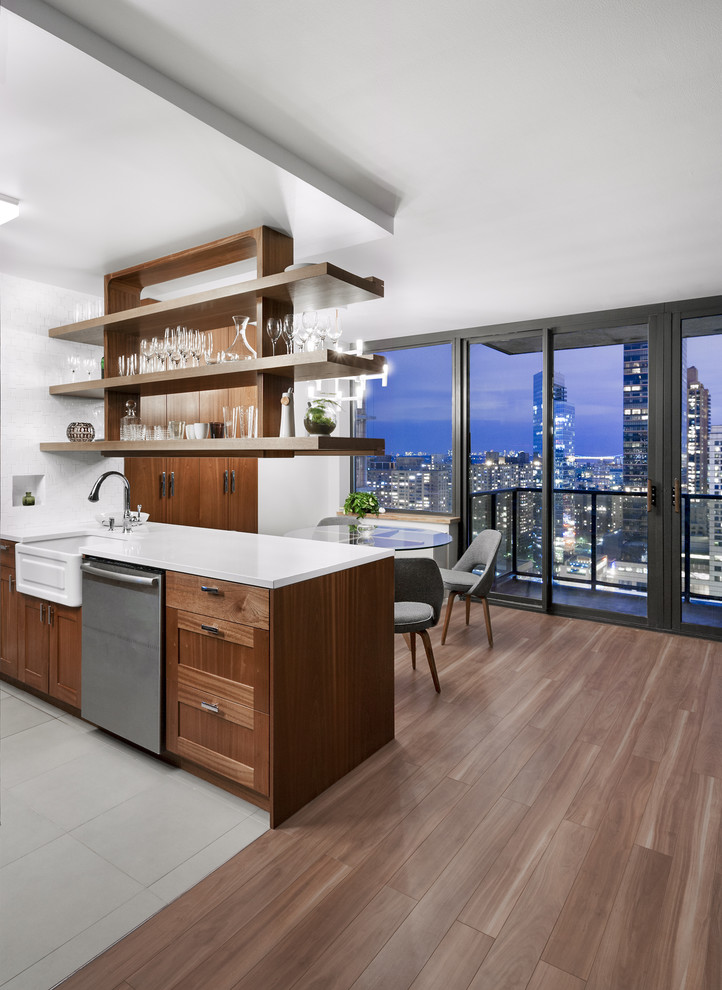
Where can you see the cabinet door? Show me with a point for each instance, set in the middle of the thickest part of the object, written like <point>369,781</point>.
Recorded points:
<point>65,653</point>
<point>8,622</point>
<point>243,494</point>
<point>214,492</point>
<point>148,479</point>
<point>183,491</point>
<point>33,642</point>
<point>217,696</point>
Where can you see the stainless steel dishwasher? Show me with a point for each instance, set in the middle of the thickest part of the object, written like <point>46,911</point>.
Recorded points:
<point>122,682</point>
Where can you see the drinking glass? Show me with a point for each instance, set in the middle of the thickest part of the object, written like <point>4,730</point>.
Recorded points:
<point>322,327</point>
<point>176,429</point>
<point>273,329</point>
<point>310,319</point>
<point>334,330</point>
<point>207,345</point>
<point>289,330</point>
<point>121,366</point>
<point>196,347</point>
<point>251,422</point>
<point>74,365</point>
<point>230,420</point>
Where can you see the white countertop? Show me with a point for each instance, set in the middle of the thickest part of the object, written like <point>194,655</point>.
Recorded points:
<point>247,558</point>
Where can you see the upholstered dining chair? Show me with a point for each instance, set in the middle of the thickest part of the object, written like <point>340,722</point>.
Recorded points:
<point>418,596</point>
<point>461,582</point>
<point>331,521</point>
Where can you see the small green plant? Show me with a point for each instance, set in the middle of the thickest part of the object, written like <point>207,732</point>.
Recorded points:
<point>361,504</point>
<point>320,416</point>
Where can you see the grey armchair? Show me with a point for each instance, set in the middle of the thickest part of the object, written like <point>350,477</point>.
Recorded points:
<point>460,582</point>
<point>418,597</point>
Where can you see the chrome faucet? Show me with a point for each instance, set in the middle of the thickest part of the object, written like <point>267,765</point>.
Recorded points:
<point>95,495</point>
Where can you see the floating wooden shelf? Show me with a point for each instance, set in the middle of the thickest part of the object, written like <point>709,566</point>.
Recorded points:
<point>256,447</point>
<point>233,374</point>
<point>321,286</point>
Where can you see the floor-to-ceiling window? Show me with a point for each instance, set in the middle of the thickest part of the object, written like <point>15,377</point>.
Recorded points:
<point>505,456</point>
<point>413,413</point>
<point>698,495</point>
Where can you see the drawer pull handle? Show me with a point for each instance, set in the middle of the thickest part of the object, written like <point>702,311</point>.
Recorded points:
<point>209,707</point>
<point>4,546</point>
<point>213,629</point>
<point>211,591</point>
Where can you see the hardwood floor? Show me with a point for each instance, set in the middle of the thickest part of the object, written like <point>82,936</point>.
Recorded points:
<point>551,821</point>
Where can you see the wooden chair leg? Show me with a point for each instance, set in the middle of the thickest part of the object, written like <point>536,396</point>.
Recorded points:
<point>449,606</point>
<point>430,657</point>
<point>468,608</point>
<point>487,619</point>
<point>411,643</point>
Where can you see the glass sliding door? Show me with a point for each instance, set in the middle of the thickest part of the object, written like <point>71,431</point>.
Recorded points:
<point>697,486</point>
<point>505,457</point>
<point>600,390</point>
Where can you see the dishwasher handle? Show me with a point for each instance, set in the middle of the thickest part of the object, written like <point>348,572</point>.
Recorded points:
<point>147,580</point>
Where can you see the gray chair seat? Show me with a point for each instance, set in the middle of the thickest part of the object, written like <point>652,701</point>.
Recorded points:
<point>412,616</point>
<point>458,580</point>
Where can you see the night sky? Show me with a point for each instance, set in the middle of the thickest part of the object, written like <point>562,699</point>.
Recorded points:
<point>413,413</point>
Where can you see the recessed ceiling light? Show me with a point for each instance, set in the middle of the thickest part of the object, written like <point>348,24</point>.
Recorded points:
<point>9,208</point>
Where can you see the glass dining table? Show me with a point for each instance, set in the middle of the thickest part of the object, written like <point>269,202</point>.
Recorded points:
<point>387,537</point>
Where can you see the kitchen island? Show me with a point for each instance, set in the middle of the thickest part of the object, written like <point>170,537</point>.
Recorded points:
<point>278,661</point>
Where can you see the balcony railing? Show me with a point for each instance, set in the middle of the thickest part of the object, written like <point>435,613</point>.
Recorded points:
<point>600,538</point>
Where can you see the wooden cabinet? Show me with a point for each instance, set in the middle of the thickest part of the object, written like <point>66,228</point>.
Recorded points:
<point>278,694</point>
<point>168,488</point>
<point>49,648</point>
<point>8,612</point>
<point>217,672</point>
<point>213,492</point>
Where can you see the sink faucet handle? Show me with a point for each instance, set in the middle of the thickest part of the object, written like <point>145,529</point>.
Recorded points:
<point>111,523</point>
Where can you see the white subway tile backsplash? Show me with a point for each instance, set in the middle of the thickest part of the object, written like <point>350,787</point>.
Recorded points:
<point>30,361</point>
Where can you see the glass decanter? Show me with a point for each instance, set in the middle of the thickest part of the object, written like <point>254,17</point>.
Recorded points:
<point>131,427</point>
<point>240,349</point>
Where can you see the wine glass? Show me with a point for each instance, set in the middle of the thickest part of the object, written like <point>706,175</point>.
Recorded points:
<point>208,347</point>
<point>323,325</point>
<point>334,330</point>
<point>273,329</point>
<point>74,364</point>
<point>289,331</point>
<point>310,319</point>
<point>196,347</point>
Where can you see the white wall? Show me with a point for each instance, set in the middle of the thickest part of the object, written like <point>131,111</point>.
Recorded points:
<point>30,361</point>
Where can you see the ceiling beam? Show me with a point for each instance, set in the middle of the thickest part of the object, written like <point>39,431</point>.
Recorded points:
<point>50,19</point>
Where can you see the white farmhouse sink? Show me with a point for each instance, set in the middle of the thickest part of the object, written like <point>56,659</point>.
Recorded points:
<point>49,568</point>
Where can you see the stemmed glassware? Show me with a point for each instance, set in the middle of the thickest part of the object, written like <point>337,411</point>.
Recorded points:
<point>273,329</point>
<point>289,331</point>
<point>323,325</point>
<point>310,319</point>
<point>334,330</point>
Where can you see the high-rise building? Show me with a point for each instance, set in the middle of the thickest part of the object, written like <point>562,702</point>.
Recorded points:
<point>635,443</point>
<point>564,429</point>
<point>715,511</point>
<point>698,429</point>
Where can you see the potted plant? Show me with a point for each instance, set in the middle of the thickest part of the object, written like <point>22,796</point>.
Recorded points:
<point>321,416</point>
<point>361,504</point>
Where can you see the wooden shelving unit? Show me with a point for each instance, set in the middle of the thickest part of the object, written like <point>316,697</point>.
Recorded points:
<point>198,394</point>
<point>321,286</point>
<point>256,447</point>
<point>315,365</point>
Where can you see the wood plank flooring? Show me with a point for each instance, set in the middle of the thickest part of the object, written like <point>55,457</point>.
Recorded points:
<point>551,821</point>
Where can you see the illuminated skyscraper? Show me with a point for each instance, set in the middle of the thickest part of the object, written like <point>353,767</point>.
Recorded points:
<point>698,429</point>
<point>564,429</point>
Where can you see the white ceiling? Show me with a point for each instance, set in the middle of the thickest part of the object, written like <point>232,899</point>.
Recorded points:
<point>540,157</point>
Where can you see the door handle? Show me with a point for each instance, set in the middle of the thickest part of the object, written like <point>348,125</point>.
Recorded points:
<point>42,612</point>
<point>225,482</point>
<point>651,495</point>
<point>233,482</point>
<point>10,583</point>
<point>50,615</point>
<point>676,496</point>
<point>172,484</point>
<point>162,484</point>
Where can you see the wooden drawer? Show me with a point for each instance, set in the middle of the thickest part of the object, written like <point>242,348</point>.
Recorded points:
<point>229,653</point>
<point>7,553</point>
<point>220,600</point>
<point>220,734</point>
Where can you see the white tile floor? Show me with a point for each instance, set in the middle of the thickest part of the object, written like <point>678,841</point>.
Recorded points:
<point>95,837</point>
